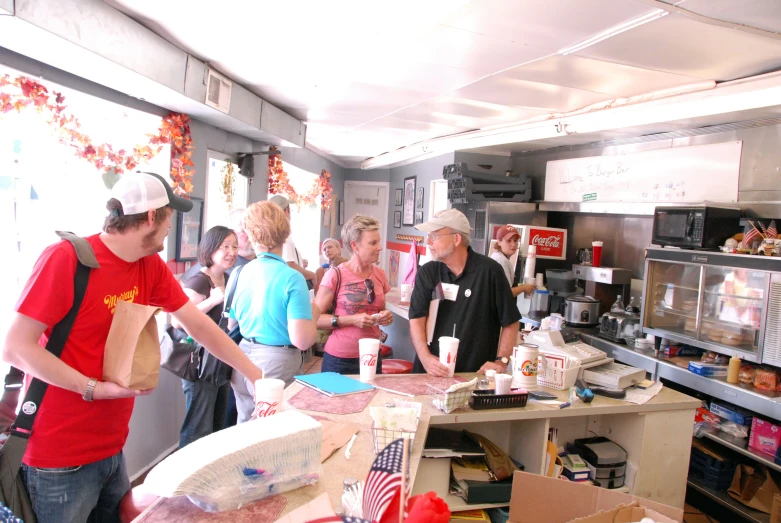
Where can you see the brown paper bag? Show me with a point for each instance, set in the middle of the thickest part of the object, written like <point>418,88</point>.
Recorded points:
<point>775,509</point>
<point>754,487</point>
<point>132,356</point>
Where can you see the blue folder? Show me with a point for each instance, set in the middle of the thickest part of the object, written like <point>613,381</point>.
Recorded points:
<point>333,384</point>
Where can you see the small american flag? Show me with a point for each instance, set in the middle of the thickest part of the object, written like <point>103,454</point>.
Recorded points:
<point>772,232</point>
<point>384,480</point>
<point>749,233</point>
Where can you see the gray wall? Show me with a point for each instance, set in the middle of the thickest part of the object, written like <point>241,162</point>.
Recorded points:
<point>626,237</point>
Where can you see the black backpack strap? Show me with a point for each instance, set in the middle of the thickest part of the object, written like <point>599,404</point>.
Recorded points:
<point>23,425</point>
<point>233,282</point>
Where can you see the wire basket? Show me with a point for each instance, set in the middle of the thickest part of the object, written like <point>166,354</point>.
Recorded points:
<point>449,401</point>
<point>384,437</point>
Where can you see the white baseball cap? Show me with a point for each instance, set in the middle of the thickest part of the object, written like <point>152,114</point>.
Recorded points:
<point>452,218</point>
<point>140,192</point>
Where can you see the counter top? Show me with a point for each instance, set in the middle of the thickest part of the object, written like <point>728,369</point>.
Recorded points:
<point>393,303</point>
<point>336,468</point>
<point>746,396</point>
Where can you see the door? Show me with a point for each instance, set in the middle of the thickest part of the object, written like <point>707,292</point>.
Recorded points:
<point>369,199</point>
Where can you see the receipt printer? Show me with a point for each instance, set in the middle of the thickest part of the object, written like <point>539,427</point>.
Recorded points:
<point>605,459</point>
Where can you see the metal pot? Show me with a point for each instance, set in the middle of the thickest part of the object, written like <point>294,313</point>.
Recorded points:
<point>581,311</point>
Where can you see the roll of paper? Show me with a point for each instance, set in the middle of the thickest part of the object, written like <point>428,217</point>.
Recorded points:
<point>531,263</point>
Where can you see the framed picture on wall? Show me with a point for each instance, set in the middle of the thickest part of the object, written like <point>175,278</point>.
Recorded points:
<point>397,201</point>
<point>188,232</point>
<point>408,211</point>
<point>327,217</point>
<point>341,212</point>
<point>397,219</point>
<point>418,217</point>
<point>419,199</point>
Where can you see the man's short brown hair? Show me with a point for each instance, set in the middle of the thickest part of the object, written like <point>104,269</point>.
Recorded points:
<point>118,223</point>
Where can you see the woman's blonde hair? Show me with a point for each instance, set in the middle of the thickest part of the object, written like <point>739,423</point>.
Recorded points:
<point>330,240</point>
<point>351,232</point>
<point>266,225</point>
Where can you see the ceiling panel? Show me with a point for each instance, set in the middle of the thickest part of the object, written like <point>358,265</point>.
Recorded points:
<point>480,54</point>
<point>520,93</point>
<point>549,24</point>
<point>370,77</point>
<point>762,14</point>
<point>615,79</point>
<point>679,45</point>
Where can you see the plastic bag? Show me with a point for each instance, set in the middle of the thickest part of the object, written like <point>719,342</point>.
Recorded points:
<point>766,379</point>
<point>747,373</point>
<point>714,357</point>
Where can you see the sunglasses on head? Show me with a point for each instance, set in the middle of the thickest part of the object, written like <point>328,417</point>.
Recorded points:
<point>370,296</point>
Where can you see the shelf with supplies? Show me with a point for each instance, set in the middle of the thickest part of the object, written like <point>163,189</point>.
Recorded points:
<point>740,445</point>
<point>734,296</point>
<point>724,499</point>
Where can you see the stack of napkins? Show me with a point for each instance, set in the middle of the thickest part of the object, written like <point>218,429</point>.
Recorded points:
<point>244,463</point>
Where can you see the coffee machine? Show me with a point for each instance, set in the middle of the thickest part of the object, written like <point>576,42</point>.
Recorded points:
<point>561,285</point>
<point>603,283</point>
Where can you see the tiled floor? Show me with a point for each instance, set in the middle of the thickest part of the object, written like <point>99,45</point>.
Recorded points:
<point>313,366</point>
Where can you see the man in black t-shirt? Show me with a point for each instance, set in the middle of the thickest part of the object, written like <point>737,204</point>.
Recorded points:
<point>476,301</point>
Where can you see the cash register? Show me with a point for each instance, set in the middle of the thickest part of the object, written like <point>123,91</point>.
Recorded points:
<point>567,343</point>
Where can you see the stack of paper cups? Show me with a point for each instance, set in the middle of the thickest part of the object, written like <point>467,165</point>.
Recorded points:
<point>531,264</point>
<point>268,397</point>
<point>369,349</point>
<point>540,281</point>
<point>448,350</point>
<point>502,384</point>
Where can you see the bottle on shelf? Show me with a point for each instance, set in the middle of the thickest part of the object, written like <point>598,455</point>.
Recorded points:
<point>618,306</point>
<point>633,308</point>
<point>733,371</point>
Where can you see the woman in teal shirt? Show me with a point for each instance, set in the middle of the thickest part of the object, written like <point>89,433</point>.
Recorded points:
<point>271,306</point>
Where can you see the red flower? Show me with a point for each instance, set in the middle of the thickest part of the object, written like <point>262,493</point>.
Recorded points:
<point>427,508</point>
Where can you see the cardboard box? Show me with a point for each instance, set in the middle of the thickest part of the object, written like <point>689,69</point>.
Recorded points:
<point>765,437</point>
<point>533,501</point>
<point>710,370</point>
<point>732,413</point>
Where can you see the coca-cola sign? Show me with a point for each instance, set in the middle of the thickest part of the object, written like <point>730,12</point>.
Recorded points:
<point>550,243</point>
<point>264,408</point>
<point>370,360</point>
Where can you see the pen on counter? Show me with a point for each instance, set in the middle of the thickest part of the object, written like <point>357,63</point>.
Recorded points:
<point>394,391</point>
<point>564,405</point>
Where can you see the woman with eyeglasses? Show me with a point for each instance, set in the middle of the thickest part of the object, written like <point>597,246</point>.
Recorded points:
<point>357,288</point>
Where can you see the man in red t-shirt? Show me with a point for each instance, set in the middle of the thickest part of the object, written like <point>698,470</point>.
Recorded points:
<point>73,467</point>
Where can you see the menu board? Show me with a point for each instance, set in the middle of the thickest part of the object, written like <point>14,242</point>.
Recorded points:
<point>680,174</point>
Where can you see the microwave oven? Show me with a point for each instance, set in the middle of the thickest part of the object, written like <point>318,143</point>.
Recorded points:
<point>700,227</point>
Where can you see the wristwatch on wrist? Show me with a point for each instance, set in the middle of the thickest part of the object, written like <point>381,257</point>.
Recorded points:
<point>334,320</point>
<point>90,389</point>
<point>503,359</point>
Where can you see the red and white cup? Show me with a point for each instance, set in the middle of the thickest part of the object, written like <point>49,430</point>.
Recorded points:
<point>448,350</point>
<point>268,397</point>
<point>596,256</point>
<point>369,350</point>
<point>406,292</point>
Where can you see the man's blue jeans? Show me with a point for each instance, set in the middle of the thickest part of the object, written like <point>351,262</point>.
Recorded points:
<point>206,404</point>
<point>77,494</point>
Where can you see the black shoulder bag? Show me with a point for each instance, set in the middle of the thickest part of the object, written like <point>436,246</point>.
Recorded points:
<point>214,370</point>
<point>13,493</point>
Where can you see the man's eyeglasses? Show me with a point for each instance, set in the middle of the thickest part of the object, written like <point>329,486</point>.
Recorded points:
<point>432,236</point>
<point>370,296</point>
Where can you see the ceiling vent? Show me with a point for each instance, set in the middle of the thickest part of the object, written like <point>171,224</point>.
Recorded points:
<point>218,91</point>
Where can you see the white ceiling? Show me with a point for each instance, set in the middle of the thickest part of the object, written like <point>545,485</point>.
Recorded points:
<point>370,77</point>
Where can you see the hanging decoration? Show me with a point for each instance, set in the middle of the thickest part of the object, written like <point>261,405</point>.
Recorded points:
<point>23,92</point>
<point>278,183</point>
<point>227,183</point>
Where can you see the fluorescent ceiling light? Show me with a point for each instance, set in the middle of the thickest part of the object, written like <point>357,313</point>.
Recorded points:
<point>740,95</point>
<point>613,31</point>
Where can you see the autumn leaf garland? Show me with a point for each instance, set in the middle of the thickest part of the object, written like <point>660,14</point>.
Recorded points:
<point>279,183</point>
<point>23,92</point>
